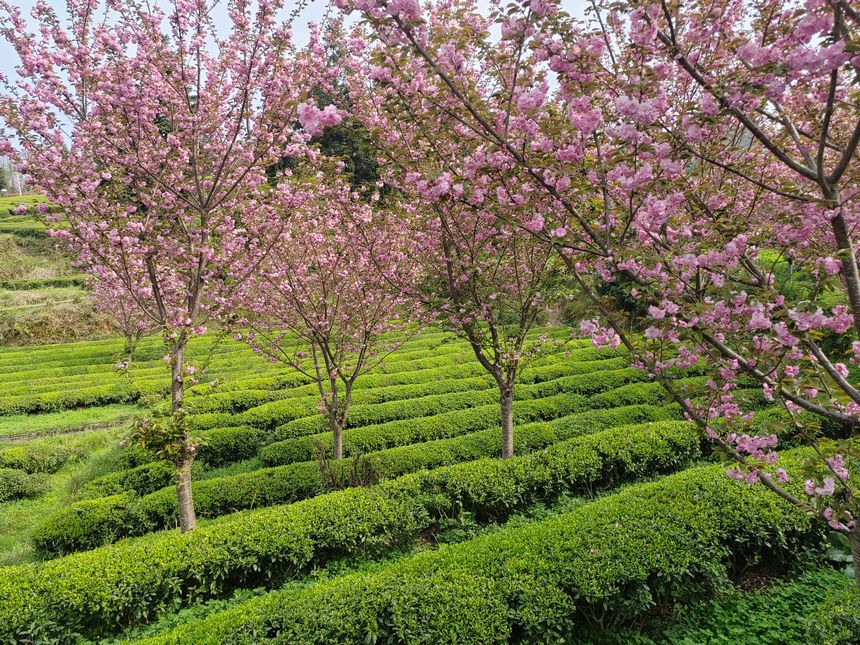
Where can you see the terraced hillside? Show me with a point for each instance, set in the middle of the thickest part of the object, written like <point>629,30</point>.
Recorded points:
<point>610,520</point>
<point>41,295</point>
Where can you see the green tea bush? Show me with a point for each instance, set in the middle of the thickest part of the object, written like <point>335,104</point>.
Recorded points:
<point>399,433</point>
<point>17,484</point>
<point>582,384</point>
<point>98,591</point>
<point>539,401</point>
<point>84,525</point>
<point>143,479</point>
<point>37,457</point>
<point>225,445</point>
<point>652,544</point>
<point>302,480</point>
<point>121,392</point>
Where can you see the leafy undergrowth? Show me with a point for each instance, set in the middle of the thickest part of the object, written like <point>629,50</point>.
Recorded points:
<point>802,608</point>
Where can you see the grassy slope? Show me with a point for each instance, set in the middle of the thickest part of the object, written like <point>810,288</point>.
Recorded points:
<point>19,517</point>
<point>33,307</point>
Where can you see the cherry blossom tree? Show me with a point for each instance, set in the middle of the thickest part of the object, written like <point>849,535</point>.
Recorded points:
<point>487,284</point>
<point>323,300</point>
<point>128,318</point>
<point>152,131</point>
<point>700,158</point>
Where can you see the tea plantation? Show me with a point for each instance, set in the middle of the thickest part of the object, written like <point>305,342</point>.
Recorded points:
<point>612,524</point>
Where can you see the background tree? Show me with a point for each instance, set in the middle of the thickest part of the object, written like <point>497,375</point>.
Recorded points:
<point>152,132</point>
<point>488,285</point>
<point>127,317</point>
<point>323,301</point>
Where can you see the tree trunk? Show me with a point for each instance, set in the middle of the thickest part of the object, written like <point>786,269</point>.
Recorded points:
<point>187,516</point>
<point>337,436</point>
<point>854,541</point>
<point>506,401</point>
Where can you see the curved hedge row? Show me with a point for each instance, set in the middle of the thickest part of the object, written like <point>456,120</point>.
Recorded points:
<point>204,420</point>
<point>227,444</point>
<point>364,415</point>
<point>142,479</point>
<point>86,525</point>
<point>652,544</point>
<point>370,389</point>
<point>220,446</point>
<point>374,437</point>
<point>98,591</point>
<point>307,404</point>
<point>16,484</point>
<point>63,400</point>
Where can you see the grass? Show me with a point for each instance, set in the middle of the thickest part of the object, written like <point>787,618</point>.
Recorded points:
<point>18,518</point>
<point>20,425</point>
<point>10,202</point>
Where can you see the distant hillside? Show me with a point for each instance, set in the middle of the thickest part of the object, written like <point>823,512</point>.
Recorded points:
<point>41,294</point>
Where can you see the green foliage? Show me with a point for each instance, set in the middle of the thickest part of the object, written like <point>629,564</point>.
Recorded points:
<point>837,620</point>
<point>142,479</point>
<point>791,612</point>
<point>222,446</point>
<point>300,480</point>
<point>611,560</point>
<point>85,525</point>
<point>99,590</point>
<point>552,399</point>
<point>166,436</point>
<point>17,484</point>
<point>37,457</point>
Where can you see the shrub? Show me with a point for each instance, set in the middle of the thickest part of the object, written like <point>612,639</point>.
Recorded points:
<point>225,445</point>
<point>16,484</point>
<point>37,457</point>
<point>85,525</point>
<point>98,591</point>
<point>533,403</point>
<point>302,480</point>
<point>837,620</point>
<point>399,433</point>
<point>142,480</point>
<point>364,415</point>
<point>55,401</point>
<point>652,544</point>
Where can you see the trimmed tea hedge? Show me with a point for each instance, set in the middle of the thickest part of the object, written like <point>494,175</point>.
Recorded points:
<point>37,457</point>
<point>142,479</point>
<point>85,526</point>
<point>652,544</point>
<point>98,591</point>
<point>16,484</point>
<point>370,438</point>
<point>310,428</point>
<point>71,528</point>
